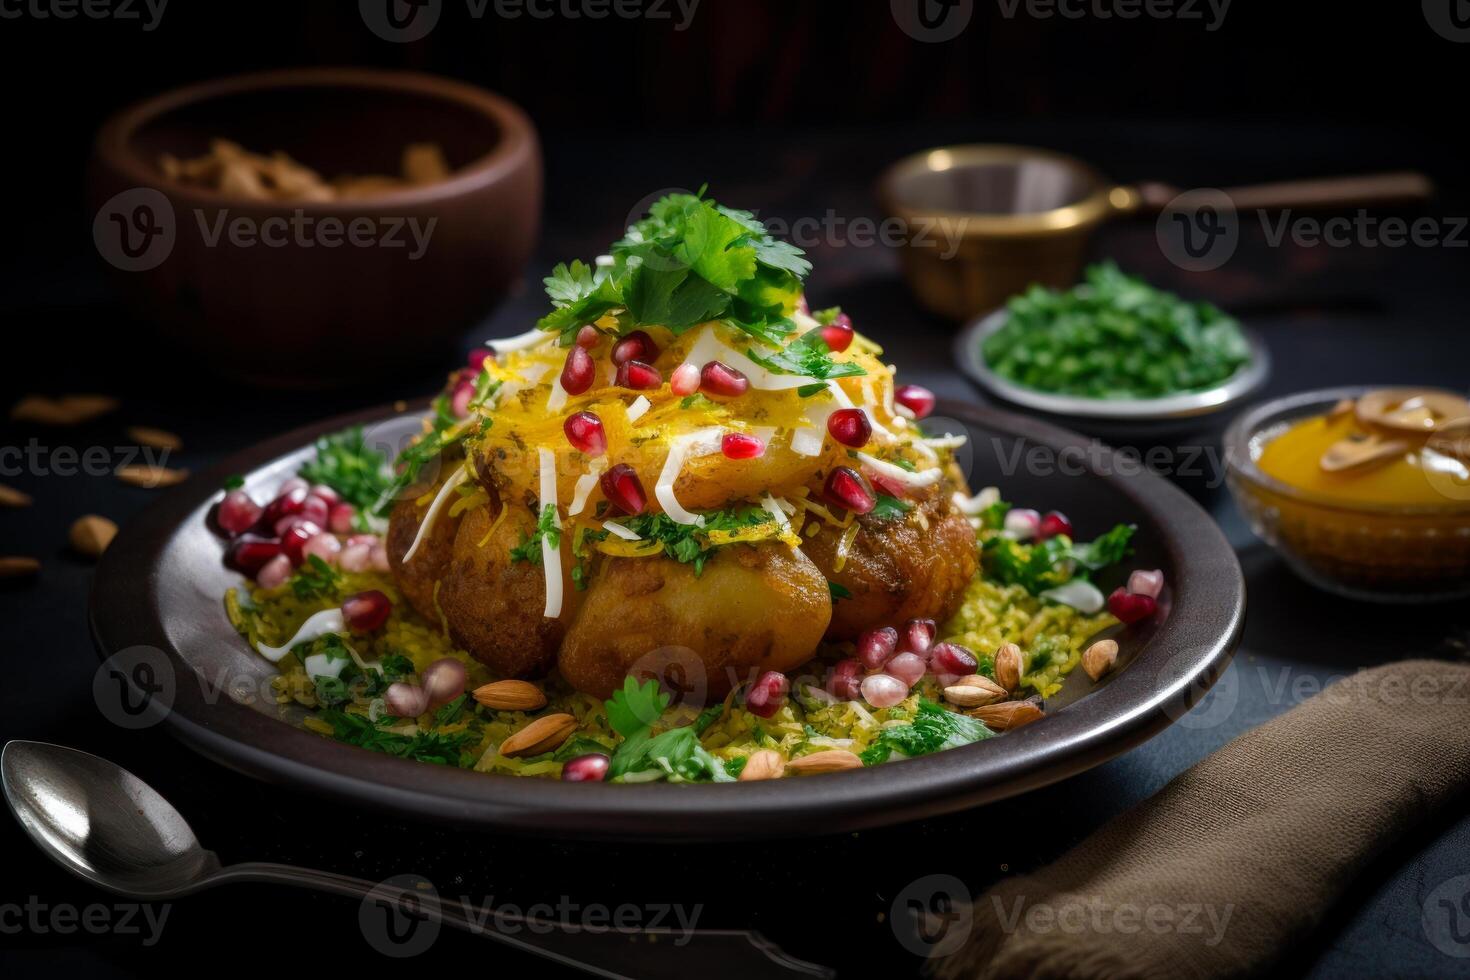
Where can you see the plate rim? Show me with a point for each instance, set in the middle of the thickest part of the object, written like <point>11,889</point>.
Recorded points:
<point>1188,650</point>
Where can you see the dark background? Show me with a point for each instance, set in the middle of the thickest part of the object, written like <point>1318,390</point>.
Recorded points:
<point>791,107</point>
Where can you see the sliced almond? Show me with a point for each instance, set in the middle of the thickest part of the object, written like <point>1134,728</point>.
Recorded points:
<point>1011,714</point>
<point>828,760</point>
<point>151,476</point>
<point>1347,454</point>
<point>66,410</point>
<point>1009,665</point>
<point>973,695</point>
<point>1099,658</point>
<point>155,438</point>
<point>765,764</point>
<point>16,566</point>
<point>542,735</point>
<point>11,497</point>
<point>90,535</point>
<point>511,696</point>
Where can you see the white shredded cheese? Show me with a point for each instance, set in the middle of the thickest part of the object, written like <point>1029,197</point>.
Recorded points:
<point>522,341</point>
<point>947,441</point>
<point>923,478</point>
<point>550,555</point>
<point>584,486</point>
<point>807,441</point>
<point>774,508</point>
<point>604,261</point>
<point>460,475</point>
<point>977,504</point>
<point>701,442</point>
<point>557,400</point>
<point>639,407</point>
<point>529,378</point>
<point>619,530</point>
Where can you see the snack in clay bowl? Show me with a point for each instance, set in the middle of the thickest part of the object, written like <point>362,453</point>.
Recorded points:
<point>681,475</point>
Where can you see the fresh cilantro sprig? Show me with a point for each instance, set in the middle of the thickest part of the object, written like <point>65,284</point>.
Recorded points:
<point>689,543</point>
<point>530,547</point>
<point>424,746</point>
<point>675,754</point>
<point>890,508</point>
<point>1055,561</point>
<point>932,730</point>
<point>316,579</point>
<point>808,356</point>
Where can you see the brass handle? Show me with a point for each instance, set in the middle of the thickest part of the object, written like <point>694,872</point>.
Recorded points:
<point>1324,193</point>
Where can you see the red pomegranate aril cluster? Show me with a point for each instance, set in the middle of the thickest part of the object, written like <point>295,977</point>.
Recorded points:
<point>740,445</point>
<point>579,371</point>
<point>916,399</point>
<point>586,434</point>
<point>765,697</point>
<point>846,489</point>
<point>1052,523</point>
<point>636,346</point>
<point>638,376</point>
<point>477,358</point>
<point>623,489</point>
<point>719,379</point>
<point>366,611</point>
<point>850,426</point>
<point>951,658</point>
<point>460,398</point>
<point>838,333</point>
<point>289,501</point>
<point>895,661</point>
<point>237,513</point>
<point>248,554</point>
<point>293,542</point>
<point>918,636</point>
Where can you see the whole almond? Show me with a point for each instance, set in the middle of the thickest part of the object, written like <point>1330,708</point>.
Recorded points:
<point>67,410</point>
<point>511,696</point>
<point>542,735</point>
<point>974,695</point>
<point>17,566</point>
<point>1008,666</point>
<point>155,438</point>
<point>765,764</point>
<point>90,535</point>
<point>1011,714</point>
<point>11,497</point>
<point>151,476</point>
<point>829,760</point>
<point>1100,657</point>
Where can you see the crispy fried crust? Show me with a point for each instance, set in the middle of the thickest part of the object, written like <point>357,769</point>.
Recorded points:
<point>416,580</point>
<point>754,608</point>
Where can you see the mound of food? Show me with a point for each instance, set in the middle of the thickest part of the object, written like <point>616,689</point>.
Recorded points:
<point>681,455</point>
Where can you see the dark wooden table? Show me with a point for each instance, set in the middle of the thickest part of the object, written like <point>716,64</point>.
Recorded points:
<point>1330,315</point>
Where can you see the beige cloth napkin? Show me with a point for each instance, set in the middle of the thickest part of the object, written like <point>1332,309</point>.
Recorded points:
<point>1245,851</point>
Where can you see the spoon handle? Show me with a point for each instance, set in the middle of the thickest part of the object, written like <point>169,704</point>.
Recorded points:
<point>648,954</point>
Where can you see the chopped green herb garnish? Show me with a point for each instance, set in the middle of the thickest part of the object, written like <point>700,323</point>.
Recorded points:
<point>933,729</point>
<point>347,464</point>
<point>1052,562</point>
<point>530,548</point>
<point>234,482</point>
<point>689,543</point>
<point>890,508</point>
<point>445,750</point>
<point>838,591</point>
<point>316,579</point>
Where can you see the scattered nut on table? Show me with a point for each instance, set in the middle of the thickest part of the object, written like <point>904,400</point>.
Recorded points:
<point>11,497</point>
<point>145,435</point>
<point>18,566</point>
<point>91,534</point>
<point>151,476</point>
<point>66,410</point>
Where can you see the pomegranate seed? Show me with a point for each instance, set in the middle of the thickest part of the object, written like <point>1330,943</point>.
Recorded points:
<point>578,372</point>
<point>1146,583</point>
<point>292,485</point>
<point>918,636</point>
<point>916,399</point>
<point>846,680</point>
<point>588,337</point>
<point>289,501</point>
<point>459,401</point>
<point>315,509</point>
<point>716,378</point>
<point>684,380</point>
<point>325,494</point>
<point>355,558</point>
<point>1052,523</point>
<point>274,573</point>
<point>294,541</point>
<point>875,647</point>
<point>1023,524</point>
<point>339,520</point>
<point>589,768</point>
<point>838,333</point>
<point>366,611</point>
<point>845,489</point>
<point>908,667</point>
<point>738,445</point>
<point>585,432</point>
<point>443,681</point>
<point>636,346</point>
<point>379,557</point>
<point>1130,607</point>
<point>884,690</point>
<point>638,376</point>
<point>367,539</point>
<point>405,700</point>
<point>623,489</point>
<point>951,658</point>
<point>324,546</point>
<point>850,426</point>
<point>249,553</point>
<point>765,697</point>
<point>889,486</point>
<point>477,358</point>
<point>237,513</point>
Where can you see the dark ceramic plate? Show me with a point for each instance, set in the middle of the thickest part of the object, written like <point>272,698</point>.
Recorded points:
<point>156,609</point>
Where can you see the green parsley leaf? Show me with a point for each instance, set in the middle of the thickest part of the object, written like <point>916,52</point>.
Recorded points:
<point>316,579</point>
<point>349,466</point>
<point>634,708</point>
<point>890,508</point>
<point>934,729</point>
<point>838,591</point>
<point>529,550</point>
<point>234,482</point>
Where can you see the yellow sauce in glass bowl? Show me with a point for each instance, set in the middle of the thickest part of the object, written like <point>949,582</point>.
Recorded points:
<point>1365,492</point>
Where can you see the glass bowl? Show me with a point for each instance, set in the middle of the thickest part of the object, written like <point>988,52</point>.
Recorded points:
<point>1382,552</point>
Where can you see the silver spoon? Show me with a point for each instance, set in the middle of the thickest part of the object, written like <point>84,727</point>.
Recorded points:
<point>107,826</point>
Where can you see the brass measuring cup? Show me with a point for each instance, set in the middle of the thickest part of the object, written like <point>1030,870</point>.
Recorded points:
<point>983,222</point>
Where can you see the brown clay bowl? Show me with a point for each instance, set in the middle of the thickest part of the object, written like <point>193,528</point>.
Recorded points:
<point>279,303</point>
